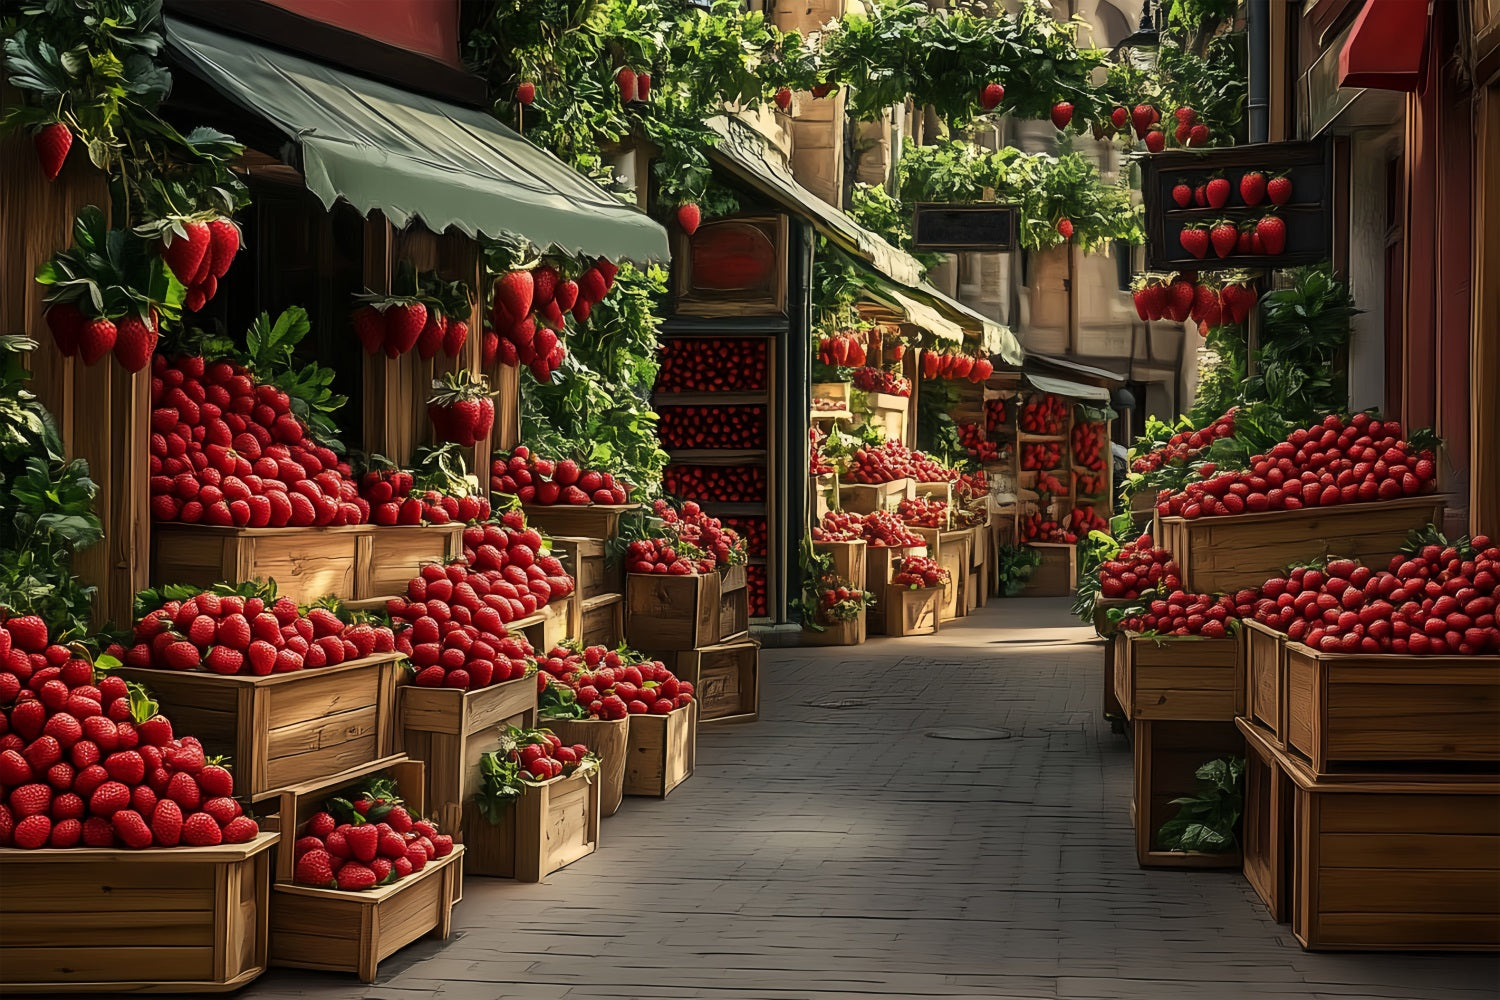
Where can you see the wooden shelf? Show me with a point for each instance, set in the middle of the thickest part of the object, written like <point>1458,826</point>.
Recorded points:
<point>717,456</point>
<point>761,396</point>
<point>756,561</point>
<point>831,415</point>
<point>1023,436</point>
<point>720,508</point>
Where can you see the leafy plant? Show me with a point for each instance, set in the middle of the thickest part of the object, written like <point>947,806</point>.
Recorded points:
<point>1094,550</point>
<point>1013,567</point>
<point>1209,822</point>
<point>109,272</point>
<point>502,780</point>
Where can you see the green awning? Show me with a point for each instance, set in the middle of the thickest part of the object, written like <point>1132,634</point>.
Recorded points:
<point>916,311</point>
<point>1066,389</point>
<point>378,147</point>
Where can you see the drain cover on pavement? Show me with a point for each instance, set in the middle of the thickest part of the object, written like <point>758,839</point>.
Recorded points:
<point>968,733</point>
<point>841,703</point>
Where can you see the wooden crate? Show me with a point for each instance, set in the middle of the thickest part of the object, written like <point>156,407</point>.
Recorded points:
<point>866,498</point>
<point>342,931</point>
<point>397,553</point>
<point>1185,678</point>
<point>1263,653</point>
<point>306,563</point>
<point>662,751</point>
<point>595,520</point>
<point>547,828</point>
<point>1113,710</point>
<point>911,611</point>
<point>725,679</point>
<point>844,633</point>
<point>888,412</point>
<point>1167,753</point>
<point>609,738</point>
<point>159,920</point>
<point>549,624</point>
<point>880,567</point>
<point>602,622</point>
<point>849,559</point>
<point>1225,554</point>
<point>953,551</point>
<point>1057,576</point>
<point>449,730</point>
<point>1354,710</point>
<point>1266,827</point>
<point>285,729</point>
<point>836,391</point>
<point>734,615</point>
<point>1102,606</point>
<point>585,559</point>
<point>669,613</point>
<point>1394,862</point>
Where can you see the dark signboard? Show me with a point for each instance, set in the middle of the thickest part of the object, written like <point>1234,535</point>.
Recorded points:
<point>947,227</point>
<point>1298,174</point>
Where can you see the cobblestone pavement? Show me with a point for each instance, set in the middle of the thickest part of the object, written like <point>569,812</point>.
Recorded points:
<point>835,849</point>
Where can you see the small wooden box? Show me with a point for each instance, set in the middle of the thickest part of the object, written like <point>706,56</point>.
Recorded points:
<point>550,624</point>
<point>953,552</point>
<point>1057,576</point>
<point>585,559</point>
<point>1263,652</point>
<point>595,520</point>
<point>911,611</point>
<point>842,633</point>
<point>725,679</point>
<point>734,615</point>
<point>1266,827</point>
<point>848,559</point>
<point>449,730</point>
<point>1356,710</point>
<point>670,613</point>
<point>1186,678</point>
<point>602,622</point>
<point>609,739</point>
<point>1167,755</point>
<point>889,413</point>
<point>1224,554</point>
<point>285,729</point>
<point>398,552</point>
<point>160,920</point>
<point>866,498</point>
<point>343,931</point>
<point>662,751</point>
<point>306,563</point>
<point>547,828</point>
<point>880,567</point>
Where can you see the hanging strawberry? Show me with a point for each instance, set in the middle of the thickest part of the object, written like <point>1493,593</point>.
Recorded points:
<point>525,93</point>
<point>688,217</point>
<point>461,407</point>
<point>52,144</point>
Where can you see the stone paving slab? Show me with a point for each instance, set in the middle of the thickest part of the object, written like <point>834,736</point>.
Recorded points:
<point>834,850</point>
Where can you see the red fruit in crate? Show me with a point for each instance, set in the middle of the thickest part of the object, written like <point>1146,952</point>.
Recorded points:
<point>1182,194</point>
<point>1279,190</point>
<point>52,144</point>
<point>1272,233</point>
<point>1253,188</point>
<point>1156,140</point>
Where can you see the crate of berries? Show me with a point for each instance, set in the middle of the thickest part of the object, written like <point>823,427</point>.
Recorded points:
<point>914,596</point>
<point>366,874</point>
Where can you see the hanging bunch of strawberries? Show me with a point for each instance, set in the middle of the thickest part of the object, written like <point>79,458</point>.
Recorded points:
<point>871,379</point>
<point>1185,296</point>
<point>847,348</point>
<point>421,313</point>
<point>461,407</point>
<point>1146,120</point>
<point>529,309</point>
<point>956,365</point>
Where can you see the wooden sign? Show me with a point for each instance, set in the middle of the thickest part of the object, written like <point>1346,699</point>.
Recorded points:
<point>1304,236</point>
<point>981,226</point>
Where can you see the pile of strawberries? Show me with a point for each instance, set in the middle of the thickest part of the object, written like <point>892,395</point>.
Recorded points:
<point>542,481</point>
<point>1331,463</point>
<point>870,379</point>
<point>1180,613</point>
<point>1089,484</point>
<point>389,494</point>
<point>252,636</point>
<point>510,547</point>
<point>1044,414</point>
<point>844,349</point>
<point>712,364</point>
<point>461,407</point>
<point>1090,446</point>
<point>1083,519</point>
<point>840,601</point>
<point>937,364</point>
<point>1039,526</point>
<point>1187,297</point>
<point>661,555</point>
<point>1041,455</point>
<point>693,526</point>
<point>920,571</point>
<point>976,444</point>
<point>725,483</point>
<point>752,530</point>
<point>435,319</point>
<point>817,463</point>
<point>880,529</point>
<point>226,451</point>
<point>757,591</point>
<point>1438,600</point>
<point>713,427</point>
<point>541,755</point>
<point>971,485</point>
<point>1264,236</point>
<point>86,759</point>
<point>611,683</point>
<point>1048,484</point>
<point>923,512</point>
<point>890,461</point>
<point>996,414</point>
<point>377,843</point>
<point>1183,445</point>
<point>1145,119</point>
<point>1138,568</point>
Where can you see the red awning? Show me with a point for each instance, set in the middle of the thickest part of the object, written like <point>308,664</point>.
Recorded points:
<point>1386,46</point>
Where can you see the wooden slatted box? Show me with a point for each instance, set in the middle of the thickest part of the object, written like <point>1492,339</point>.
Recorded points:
<point>725,679</point>
<point>1184,678</point>
<point>662,751</point>
<point>306,563</point>
<point>1167,754</point>
<point>547,828</point>
<point>396,553</point>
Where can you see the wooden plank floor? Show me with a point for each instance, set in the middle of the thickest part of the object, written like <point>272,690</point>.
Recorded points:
<point>834,850</point>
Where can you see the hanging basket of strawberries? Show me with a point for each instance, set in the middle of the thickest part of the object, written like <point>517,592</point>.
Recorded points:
<point>461,407</point>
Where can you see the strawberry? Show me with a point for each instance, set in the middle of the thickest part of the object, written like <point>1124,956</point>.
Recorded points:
<point>430,340</point>
<point>240,830</point>
<point>108,799</point>
<point>1225,236</point>
<point>32,832</point>
<point>184,254</point>
<point>990,96</point>
<point>66,324</point>
<point>181,655</point>
<point>403,327</point>
<point>515,290</point>
<point>166,823</point>
<point>1272,233</point>
<point>52,144</point>
<point>314,868</point>
<point>364,841</point>
<point>688,217</point>
<point>353,876</point>
<point>131,828</point>
<point>1198,136</point>
<point>1062,114</point>
<point>1142,117</point>
<point>1065,228</point>
<point>31,800</point>
<point>1182,194</point>
<point>1279,190</point>
<point>369,327</point>
<point>201,830</point>
<point>1156,140</point>
<point>454,337</point>
<point>222,809</point>
<point>1253,187</point>
<point>223,244</point>
<point>182,789</point>
<point>525,94</point>
<point>1194,239</point>
<point>28,632</point>
<point>625,80</point>
<point>642,86</point>
<point>96,339</point>
<point>566,295</point>
<point>784,98</point>
<point>1118,117</point>
<point>1217,192</point>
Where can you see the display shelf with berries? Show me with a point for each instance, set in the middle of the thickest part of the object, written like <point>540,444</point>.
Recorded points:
<point>307,563</point>
<point>1190,678</point>
<point>366,876</point>
<point>449,728</point>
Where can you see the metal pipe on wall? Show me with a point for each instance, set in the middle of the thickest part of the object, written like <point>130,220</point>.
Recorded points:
<point>1258,35</point>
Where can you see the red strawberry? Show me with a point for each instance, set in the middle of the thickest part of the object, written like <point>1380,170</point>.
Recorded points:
<point>1142,117</point>
<point>454,337</point>
<point>1156,140</point>
<point>1224,236</point>
<point>643,86</point>
<point>1279,190</point>
<point>490,350</point>
<point>515,290</point>
<point>131,828</point>
<point>28,632</point>
<point>990,96</point>
<point>66,324</point>
<point>625,80</point>
<point>166,823</point>
<point>96,339</point>
<point>369,327</point>
<point>1198,136</point>
<point>430,340</point>
<point>784,98</point>
<point>688,217</point>
<point>222,809</point>
<point>223,244</point>
<point>353,876</point>
<point>364,841</point>
<point>403,326</point>
<point>52,144</point>
<point>1217,192</point>
<point>315,868</point>
<point>1272,233</point>
<point>525,94</point>
<point>1253,188</point>
<point>1062,114</point>
<point>184,254</point>
<point>566,295</point>
<point>1194,239</point>
<point>1119,116</point>
<point>240,830</point>
<point>201,830</point>
<point>1065,228</point>
<point>1182,193</point>
<point>33,832</point>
